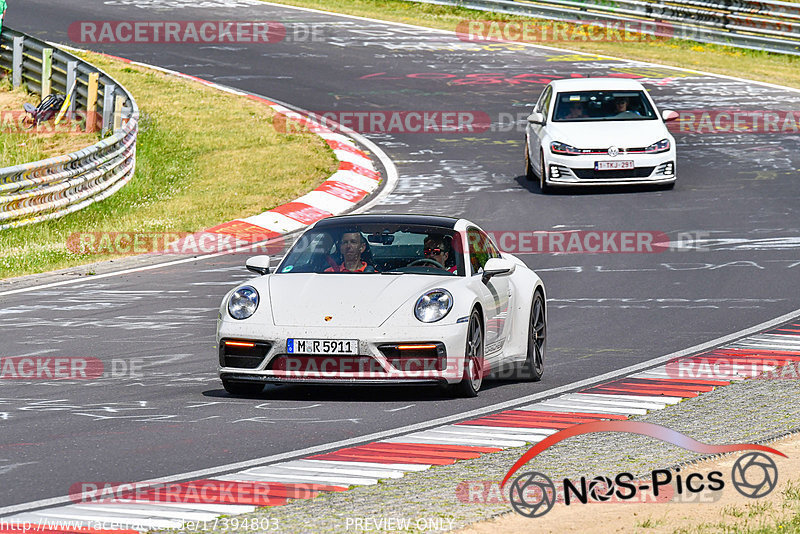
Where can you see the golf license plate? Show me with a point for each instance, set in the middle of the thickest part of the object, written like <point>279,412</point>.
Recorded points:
<point>322,346</point>
<point>612,165</point>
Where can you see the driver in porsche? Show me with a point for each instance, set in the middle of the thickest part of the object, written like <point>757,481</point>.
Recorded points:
<point>436,248</point>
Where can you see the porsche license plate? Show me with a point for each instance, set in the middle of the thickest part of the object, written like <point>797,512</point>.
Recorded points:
<point>322,346</point>
<point>612,165</point>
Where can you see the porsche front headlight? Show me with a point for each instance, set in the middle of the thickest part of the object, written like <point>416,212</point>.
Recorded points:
<point>243,302</point>
<point>433,305</point>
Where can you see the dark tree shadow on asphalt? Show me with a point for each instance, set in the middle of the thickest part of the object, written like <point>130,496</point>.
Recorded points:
<point>351,393</point>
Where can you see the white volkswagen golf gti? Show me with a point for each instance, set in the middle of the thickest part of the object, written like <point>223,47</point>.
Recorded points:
<point>598,131</point>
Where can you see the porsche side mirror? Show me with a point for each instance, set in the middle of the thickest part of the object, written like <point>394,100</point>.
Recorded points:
<point>258,264</point>
<point>497,267</point>
<point>669,115</point>
<point>536,118</point>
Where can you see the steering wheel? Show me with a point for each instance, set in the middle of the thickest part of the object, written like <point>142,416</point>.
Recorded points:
<point>423,261</point>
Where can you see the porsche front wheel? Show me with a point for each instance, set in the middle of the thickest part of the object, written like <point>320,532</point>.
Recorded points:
<point>533,368</point>
<point>473,359</point>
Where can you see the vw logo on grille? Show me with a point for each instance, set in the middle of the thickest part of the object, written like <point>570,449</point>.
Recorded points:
<point>613,151</point>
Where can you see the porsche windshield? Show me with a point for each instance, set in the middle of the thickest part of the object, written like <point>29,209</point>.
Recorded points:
<point>581,106</point>
<point>373,249</point>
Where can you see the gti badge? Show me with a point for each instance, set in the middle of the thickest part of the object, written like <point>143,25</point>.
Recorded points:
<point>613,151</point>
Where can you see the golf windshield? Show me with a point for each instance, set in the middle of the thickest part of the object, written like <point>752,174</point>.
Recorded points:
<point>582,106</point>
<point>376,249</point>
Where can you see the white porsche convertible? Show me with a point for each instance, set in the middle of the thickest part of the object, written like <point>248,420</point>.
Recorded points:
<point>384,299</point>
<point>598,131</point>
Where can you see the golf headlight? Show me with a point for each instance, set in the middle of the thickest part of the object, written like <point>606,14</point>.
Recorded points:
<point>243,302</point>
<point>433,305</point>
<point>564,149</point>
<point>655,148</point>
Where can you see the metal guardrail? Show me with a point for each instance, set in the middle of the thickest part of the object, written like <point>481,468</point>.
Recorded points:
<point>54,187</point>
<point>767,25</point>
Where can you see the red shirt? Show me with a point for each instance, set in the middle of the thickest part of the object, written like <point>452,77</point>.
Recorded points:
<point>342,269</point>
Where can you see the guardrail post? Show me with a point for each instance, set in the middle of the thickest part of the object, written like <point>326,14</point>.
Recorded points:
<point>16,62</point>
<point>72,71</point>
<point>47,70</point>
<point>91,103</point>
<point>118,103</point>
<point>108,103</point>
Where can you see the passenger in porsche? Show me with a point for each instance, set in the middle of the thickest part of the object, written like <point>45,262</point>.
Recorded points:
<point>351,246</point>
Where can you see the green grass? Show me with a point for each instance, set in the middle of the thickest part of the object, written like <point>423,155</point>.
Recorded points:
<point>21,145</point>
<point>774,68</point>
<point>757,517</point>
<point>203,157</point>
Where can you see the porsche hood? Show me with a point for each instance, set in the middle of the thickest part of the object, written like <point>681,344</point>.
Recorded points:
<point>346,299</point>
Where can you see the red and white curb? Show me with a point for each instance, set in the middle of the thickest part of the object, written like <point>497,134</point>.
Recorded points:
<point>392,458</point>
<point>354,180</point>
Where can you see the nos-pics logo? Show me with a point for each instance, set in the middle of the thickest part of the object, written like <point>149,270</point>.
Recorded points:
<point>533,494</point>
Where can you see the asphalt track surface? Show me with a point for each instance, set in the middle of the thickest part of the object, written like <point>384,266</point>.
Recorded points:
<point>607,311</point>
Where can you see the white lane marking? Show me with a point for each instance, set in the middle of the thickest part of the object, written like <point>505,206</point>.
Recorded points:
<point>771,342</point>
<point>342,469</point>
<point>491,429</point>
<point>648,400</point>
<point>767,342</point>
<point>356,180</point>
<point>512,430</point>
<point>326,201</point>
<point>145,509</point>
<point>355,159</point>
<point>402,467</point>
<point>469,439</point>
<point>489,432</point>
<point>521,403</point>
<point>275,469</point>
<point>268,406</point>
<point>579,407</point>
<point>275,222</point>
<point>302,478</point>
<point>218,509</point>
<point>613,401</point>
<point>430,436</point>
<point>401,408</point>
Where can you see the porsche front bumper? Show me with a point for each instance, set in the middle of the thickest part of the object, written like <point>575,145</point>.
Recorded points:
<point>431,353</point>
